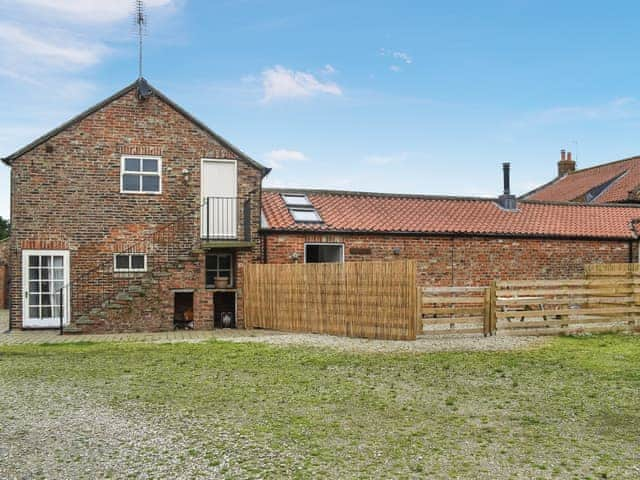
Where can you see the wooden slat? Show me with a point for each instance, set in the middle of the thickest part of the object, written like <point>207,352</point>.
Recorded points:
<point>447,320</point>
<point>452,310</point>
<point>552,323</point>
<point>452,289</point>
<point>561,331</point>
<point>452,331</point>
<point>535,292</point>
<point>564,301</point>
<point>446,300</point>
<point>568,311</point>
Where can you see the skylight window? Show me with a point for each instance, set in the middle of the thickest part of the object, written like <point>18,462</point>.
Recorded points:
<point>305,215</point>
<point>296,200</point>
<point>300,207</point>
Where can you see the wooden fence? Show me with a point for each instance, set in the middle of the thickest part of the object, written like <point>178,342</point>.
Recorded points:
<point>455,310</point>
<point>371,299</point>
<point>607,300</point>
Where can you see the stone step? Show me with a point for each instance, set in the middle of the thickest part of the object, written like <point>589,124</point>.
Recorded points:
<point>161,274</point>
<point>124,297</point>
<point>84,320</point>
<point>135,289</point>
<point>71,329</point>
<point>115,305</point>
<point>186,258</point>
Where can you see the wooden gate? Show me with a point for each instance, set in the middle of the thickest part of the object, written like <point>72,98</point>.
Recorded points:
<point>371,300</point>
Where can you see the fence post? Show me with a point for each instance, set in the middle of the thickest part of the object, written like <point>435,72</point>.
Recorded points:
<point>419,327</point>
<point>493,299</point>
<point>486,325</point>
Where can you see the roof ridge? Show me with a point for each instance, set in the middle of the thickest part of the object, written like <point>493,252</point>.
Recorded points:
<point>606,164</point>
<point>225,143</point>
<point>418,196</point>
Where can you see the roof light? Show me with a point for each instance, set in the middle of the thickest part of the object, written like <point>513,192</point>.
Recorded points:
<point>293,200</point>
<point>305,215</point>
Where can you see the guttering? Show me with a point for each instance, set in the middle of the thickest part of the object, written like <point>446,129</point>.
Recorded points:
<point>443,234</point>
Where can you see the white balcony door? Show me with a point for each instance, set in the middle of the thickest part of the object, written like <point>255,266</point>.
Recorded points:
<point>219,198</point>
<point>44,273</point>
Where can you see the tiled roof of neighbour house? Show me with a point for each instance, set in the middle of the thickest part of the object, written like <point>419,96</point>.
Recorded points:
<point>609,182</point>
<point>139,83</point>
<point>362,212</point>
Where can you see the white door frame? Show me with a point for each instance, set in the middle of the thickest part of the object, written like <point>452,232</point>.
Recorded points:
<point>54,321</point>
<point>202,194</point>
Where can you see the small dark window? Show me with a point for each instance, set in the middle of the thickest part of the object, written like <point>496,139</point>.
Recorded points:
<point>323,253</point>
<point>219,265</point>
<point>130,262</point>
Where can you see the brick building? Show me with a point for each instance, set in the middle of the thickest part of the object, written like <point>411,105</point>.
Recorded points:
<point>456,241</point>
<point>135,216</point>
<point>135,208</point>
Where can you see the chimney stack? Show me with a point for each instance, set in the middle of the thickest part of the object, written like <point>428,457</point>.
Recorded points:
<point>507,200</point>
<point>566,165</point>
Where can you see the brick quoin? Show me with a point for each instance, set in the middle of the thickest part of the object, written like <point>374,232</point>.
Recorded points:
<point>66,195</point>
<point>459,260</point>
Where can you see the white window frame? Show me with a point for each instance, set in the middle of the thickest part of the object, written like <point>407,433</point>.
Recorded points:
<point>129,270</point>
<point>305,209</point>
<point>305,202</point>
<point>333,244</point>
<point>141,158</point>
<point>25,286</point>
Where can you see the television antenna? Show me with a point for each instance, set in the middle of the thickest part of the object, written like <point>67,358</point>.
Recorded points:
<point>141,22</point>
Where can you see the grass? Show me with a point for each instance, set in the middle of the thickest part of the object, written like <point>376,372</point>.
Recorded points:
<point>566,410</point>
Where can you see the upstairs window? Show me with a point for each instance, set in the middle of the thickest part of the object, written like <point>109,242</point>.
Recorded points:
<point>129,262</point>
<point>141,175</point>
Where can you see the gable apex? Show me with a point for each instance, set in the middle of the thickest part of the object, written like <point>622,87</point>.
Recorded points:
<point>143,86</point>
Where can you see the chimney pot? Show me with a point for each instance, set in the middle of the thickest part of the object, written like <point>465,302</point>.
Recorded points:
<point>566,164</point>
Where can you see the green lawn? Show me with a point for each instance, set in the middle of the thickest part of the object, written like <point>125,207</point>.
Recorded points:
<point>570,409</point>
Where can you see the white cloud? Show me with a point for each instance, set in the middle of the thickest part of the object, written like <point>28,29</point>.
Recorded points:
<point>275,158</point>
<point>386,159</point>
<point>395,68</point>
<point>279,82</point>
<point>93,11</point>
<point>328,69</point>
<point>58,50</point>
<point>402,56</point>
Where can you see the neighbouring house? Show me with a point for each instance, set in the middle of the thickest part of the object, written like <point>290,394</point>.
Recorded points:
<point>143,214</point>
<point>614,182</point>
<point>4,274</point>
<point>135,216</point>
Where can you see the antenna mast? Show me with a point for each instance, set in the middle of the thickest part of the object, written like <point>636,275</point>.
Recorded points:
<point>141,21</point>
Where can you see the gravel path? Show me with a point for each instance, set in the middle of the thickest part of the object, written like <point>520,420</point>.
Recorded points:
<point>439,343</point>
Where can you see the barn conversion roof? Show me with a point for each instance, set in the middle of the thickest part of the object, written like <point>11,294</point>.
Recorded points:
<point>364,212</point>
<point>605,183</point>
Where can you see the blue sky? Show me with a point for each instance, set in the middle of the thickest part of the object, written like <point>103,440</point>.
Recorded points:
<point>403,96</point>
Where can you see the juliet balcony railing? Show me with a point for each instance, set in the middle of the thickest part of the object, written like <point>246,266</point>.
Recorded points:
<point>226,218</point>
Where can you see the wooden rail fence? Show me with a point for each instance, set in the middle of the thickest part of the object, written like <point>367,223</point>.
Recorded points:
<point>607,300</point>
<point>369,299</point>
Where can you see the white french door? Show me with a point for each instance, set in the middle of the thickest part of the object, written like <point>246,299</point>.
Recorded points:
<point>219,198</point>
<point>44,273</point>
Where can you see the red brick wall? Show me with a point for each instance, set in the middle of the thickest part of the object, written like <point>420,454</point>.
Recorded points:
<point>69,198</point>
<point>465,261</point>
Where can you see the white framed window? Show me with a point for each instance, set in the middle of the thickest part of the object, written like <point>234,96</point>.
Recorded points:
<point>323,253</point>
<point>140,174</point>
<point>129,262</point>
<point>296,200</point>
<point>305,215</point>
